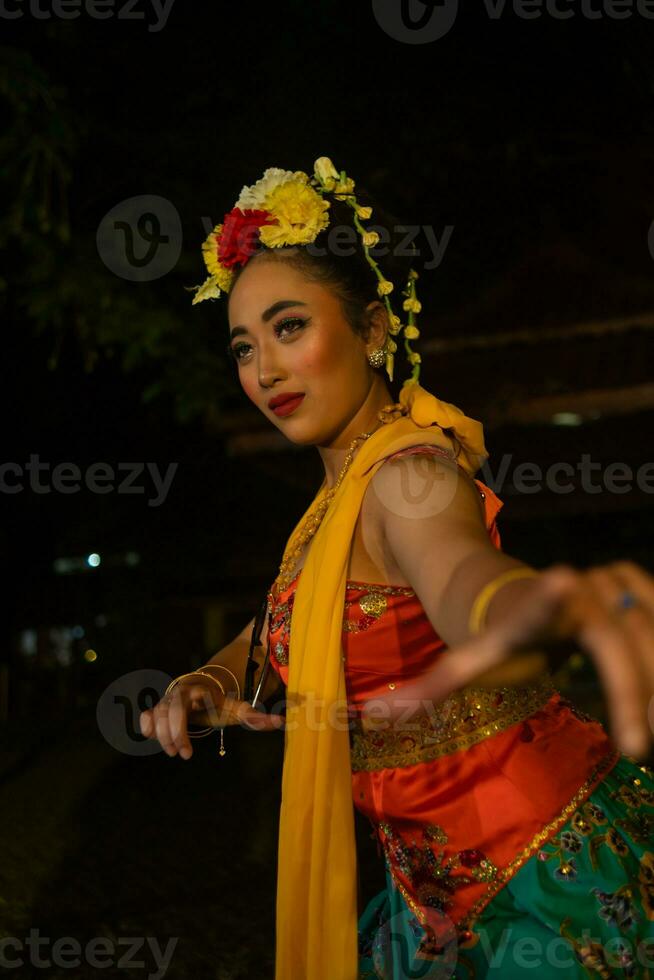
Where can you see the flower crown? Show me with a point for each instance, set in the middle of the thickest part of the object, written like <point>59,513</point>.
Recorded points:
<point>289,208</point>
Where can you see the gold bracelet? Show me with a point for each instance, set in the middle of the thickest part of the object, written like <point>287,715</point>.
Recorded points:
<point>210,729</point>
<point>480,605</point>
<point>201,670</point>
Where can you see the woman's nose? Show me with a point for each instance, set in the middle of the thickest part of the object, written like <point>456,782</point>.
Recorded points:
<point>270,370</point>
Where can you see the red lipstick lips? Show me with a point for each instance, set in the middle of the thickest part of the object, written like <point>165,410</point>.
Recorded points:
<point>285,404</point>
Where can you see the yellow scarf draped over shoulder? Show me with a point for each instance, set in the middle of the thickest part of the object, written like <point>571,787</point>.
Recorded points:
<point>317,880</point>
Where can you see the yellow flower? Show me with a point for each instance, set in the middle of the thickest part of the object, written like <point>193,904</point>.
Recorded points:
<point>413,274</point>
<point>411,332</point>
<point>412,305</point>
<point>254,196</point>
<point>414,358</point>
<point>384,287</point>
<point>219,275</point>
<point>222,275</point>
<point>300,212</point>
<point>342,188</point>
<point>391,346</point>
<point>395,323</point>
<point>370,238</point>
<point>208,290</point>
<point>364,213</point>
<point>325,170</point>
<point>224,278</point>
<point>210,250</point>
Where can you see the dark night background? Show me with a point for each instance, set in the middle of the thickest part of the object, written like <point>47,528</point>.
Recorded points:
<point>531,139</point>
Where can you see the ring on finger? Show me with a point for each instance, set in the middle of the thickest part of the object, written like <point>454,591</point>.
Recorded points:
<point>626,600</point>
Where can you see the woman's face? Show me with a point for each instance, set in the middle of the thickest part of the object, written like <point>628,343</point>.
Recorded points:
<point>289,335</point>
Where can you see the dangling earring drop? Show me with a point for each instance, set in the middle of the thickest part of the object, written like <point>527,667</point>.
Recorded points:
<point>377,357</point>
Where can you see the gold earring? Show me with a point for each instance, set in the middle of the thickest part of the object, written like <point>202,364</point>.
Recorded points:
<point>377,357</point>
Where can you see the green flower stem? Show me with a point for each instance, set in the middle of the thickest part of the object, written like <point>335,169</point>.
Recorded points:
<point>409,292</point>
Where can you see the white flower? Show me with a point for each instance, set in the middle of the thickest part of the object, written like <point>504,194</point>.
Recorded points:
<point>324,169</point>
<point>253,197</point>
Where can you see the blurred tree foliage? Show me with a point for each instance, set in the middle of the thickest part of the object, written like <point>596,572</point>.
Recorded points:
<point>53,281</point>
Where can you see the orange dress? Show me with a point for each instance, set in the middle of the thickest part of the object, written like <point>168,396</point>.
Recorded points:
<point>464,797</point>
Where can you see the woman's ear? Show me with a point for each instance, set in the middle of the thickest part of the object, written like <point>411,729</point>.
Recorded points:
<point>377,324</point>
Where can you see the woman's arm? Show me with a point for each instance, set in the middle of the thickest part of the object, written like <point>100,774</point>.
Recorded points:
<point>607,610</point>
<point>194,700</point>
<point>234,656</point>
<point>431,526</point>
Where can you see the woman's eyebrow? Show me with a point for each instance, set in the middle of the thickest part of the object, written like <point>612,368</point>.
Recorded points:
<point>281,304</point>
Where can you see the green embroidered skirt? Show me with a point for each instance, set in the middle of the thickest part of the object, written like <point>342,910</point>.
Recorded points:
<point>582,906</point>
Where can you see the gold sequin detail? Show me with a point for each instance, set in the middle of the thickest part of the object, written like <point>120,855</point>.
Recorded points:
<point>427,867</point>
<point>373,604</point>
<point>465,718</point>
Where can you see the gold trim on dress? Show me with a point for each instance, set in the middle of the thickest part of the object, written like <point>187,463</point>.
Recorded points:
<point>601,769</point>
<point>466,922</point>
<point>467,717</point>
<point>374,587</point>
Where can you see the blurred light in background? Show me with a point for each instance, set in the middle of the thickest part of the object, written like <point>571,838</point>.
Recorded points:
<point>567,418</point>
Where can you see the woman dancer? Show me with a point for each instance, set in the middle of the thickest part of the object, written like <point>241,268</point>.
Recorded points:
<point>516,832</point>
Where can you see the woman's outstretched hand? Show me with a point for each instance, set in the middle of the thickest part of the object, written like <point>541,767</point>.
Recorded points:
<point>564,605</point>
<point>196,702</point>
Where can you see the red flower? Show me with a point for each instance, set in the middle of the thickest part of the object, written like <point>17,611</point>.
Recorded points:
<point>240,235</point>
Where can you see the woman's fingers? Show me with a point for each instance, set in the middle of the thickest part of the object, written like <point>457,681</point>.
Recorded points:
<point>639,619</point>
<point>168,720</point>
<point>258,720</point>
<point>162,725</point>
<point>620,643</point>
<point>145,721</point>
<point>178,721</point>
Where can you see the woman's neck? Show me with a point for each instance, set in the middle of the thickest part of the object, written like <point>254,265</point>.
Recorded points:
<point>365,420</point>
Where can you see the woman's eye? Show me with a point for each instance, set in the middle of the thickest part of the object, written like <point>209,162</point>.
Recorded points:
<point>239,351</point>
<point>288,322</point>
<point>289,325</point>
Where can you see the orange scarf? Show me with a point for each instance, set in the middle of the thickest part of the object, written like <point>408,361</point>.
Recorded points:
<point>317,884</point>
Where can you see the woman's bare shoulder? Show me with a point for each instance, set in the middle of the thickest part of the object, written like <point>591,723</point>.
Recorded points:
<point>420,481</point>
